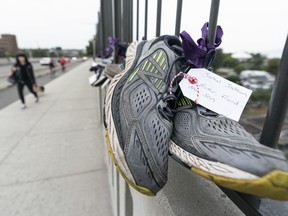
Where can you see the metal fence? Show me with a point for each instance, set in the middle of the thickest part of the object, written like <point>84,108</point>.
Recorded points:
<point>115,19</point>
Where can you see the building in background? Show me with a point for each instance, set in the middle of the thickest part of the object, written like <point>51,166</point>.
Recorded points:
<point>8,44</point>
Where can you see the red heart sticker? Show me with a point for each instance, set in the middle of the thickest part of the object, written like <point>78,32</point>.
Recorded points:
<point>193,80</point>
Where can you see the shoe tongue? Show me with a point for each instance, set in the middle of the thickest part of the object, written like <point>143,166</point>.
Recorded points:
<point>184,101</point>
<point>206,112</point>
<point>177,49</point>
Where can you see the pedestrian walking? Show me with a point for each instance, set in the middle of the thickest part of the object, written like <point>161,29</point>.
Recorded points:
<point>24,75</point>
<point>62,61</point>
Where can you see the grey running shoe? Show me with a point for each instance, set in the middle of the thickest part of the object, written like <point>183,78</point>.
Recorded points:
<point>112,70</point>
<point>100,80</point>
<point>138,118</point>
<point>220,150</point>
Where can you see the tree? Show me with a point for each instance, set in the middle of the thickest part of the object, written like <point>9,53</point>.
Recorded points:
<point>234,79</point>
<point>89,48</point>
<point>229,61</point>
<point>273,65</point>
<point>256,61</point>
<point>36,52</point>
<point>218,61</point>
<point>261,95</point>
<point>239,68</point>
<point>224,60</point>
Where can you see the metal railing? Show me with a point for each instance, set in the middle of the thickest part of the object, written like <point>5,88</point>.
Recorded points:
<point>116,19</point>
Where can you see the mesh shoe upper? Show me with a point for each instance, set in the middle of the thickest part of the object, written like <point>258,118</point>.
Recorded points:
<point>143,132</point>
<point>216,138</point>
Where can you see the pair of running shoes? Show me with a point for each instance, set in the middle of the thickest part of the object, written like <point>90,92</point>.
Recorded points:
<point>145,123</point>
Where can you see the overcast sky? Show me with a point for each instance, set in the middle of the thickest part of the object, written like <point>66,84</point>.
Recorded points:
<point>249,25</point>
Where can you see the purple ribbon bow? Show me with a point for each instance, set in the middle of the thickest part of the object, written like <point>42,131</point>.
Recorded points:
<point>197,53</point>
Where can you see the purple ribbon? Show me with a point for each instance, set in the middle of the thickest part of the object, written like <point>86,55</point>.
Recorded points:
<point>112,42</point>
<point>196,53</point>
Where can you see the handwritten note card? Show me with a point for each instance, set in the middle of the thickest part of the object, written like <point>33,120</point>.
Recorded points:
<point>216,93</point>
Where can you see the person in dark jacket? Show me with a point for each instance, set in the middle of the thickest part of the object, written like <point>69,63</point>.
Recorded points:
<point>24,75</point>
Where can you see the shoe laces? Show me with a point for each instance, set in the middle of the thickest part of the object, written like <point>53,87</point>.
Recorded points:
<point>171,95</point>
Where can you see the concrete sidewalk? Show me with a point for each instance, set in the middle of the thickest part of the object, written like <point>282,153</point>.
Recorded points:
<point>52,153</point>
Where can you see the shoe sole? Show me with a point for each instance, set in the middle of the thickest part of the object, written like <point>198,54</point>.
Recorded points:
<point>273,185</point>
<point>114,148</point>
<point>142,190</point>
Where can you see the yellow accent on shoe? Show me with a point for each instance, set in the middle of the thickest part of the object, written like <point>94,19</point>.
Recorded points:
<point>142,190</point>
<point>155,55</point>
<point>149,66</point>
<point>183,101</point>
<point>162,61</point>
<point>158,85</point>
<point>164,67</point>
<point>133,75</point>
<point>274,185</point>
<point>159,56</point>
<point>188,101</point>
<point>144,65</point>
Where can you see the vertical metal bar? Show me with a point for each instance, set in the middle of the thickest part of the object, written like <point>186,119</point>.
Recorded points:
<point>94,47</point>
<point>146,20</point>
<point>128,20</point>
<point>127,17</point>
<point>113,18</point>
<point>178,17</point>
<point>117,17</point>
<point>124,19</point>
<point>214,9</point>
<point>100,104</point>
<point>137,22</point>
<point>103,35</point>
<point>121,20</point>
<point>277,104</point>
<point>131,21</point>
<point>101,44</point>
<point>158,21</point>
<point>108,9</point>
<point>98,35</point>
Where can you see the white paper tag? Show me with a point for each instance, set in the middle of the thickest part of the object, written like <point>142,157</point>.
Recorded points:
<point>216,93</point>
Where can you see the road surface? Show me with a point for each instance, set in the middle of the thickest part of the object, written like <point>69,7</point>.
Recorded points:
<point>9,95</point>
<point>6,69</point>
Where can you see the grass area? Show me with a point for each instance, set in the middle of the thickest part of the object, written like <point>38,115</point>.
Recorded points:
<point>262,110</point>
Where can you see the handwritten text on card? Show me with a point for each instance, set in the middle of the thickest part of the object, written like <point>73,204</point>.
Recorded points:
<point>216,93</point>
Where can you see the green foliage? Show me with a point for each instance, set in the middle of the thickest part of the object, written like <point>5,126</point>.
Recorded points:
<point>234,79</point>
<point>89,48</point>
<point>7,55</point>
<point>229,61</point>
<point>218,61</point>
<point>261,95</point>
<point>256,61</point>
<point>273,65</point>
<point>224,60</point>
<point>36,53</point>
<point>81,53</point>
<point>240,67</point>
